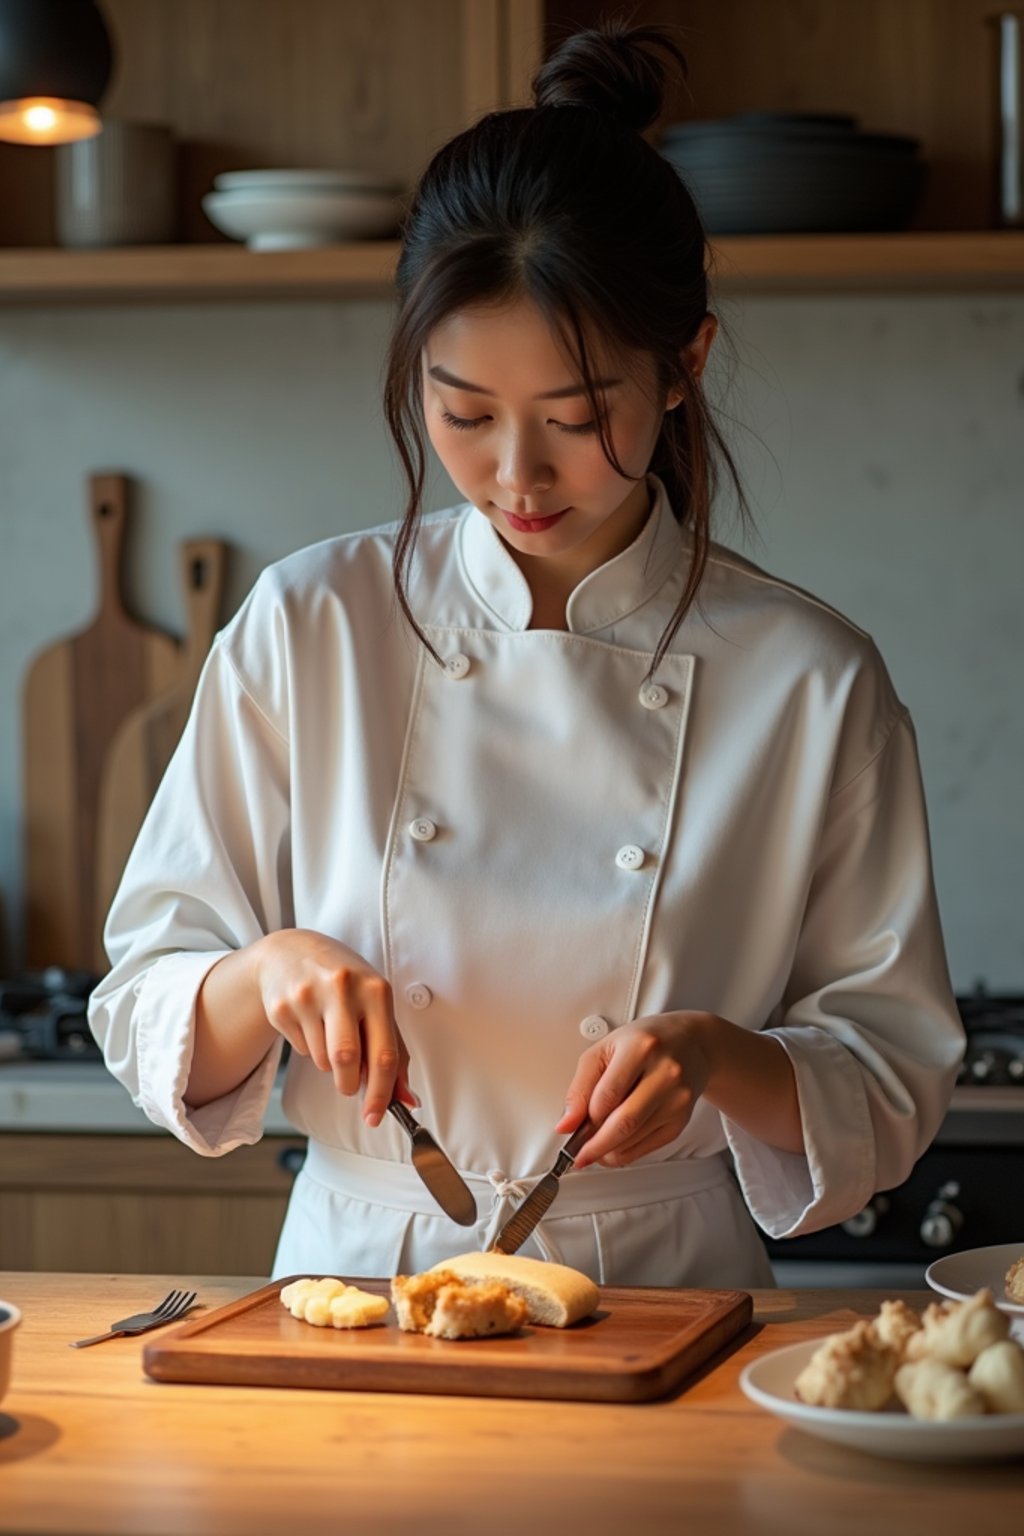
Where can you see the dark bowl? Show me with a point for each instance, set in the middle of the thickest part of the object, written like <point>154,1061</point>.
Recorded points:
<point>801,192</point>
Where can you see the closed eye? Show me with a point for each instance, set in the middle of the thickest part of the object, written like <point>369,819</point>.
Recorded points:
<point>466,424</point>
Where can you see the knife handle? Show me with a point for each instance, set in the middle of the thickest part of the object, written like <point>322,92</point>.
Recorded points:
<point>581,1134</point>
<point>402,1115</point>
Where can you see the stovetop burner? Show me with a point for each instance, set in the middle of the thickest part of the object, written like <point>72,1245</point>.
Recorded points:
<point>995,1041</point>
<point>45,1011</point>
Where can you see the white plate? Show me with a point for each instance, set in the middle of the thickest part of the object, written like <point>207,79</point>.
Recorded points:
<point>961,1275</point>
<point>891,1432</point>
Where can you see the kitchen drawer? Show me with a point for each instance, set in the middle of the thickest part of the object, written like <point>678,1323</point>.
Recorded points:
<point>142,1203</point>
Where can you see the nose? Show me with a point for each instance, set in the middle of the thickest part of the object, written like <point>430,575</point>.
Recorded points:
<point>523,469</point>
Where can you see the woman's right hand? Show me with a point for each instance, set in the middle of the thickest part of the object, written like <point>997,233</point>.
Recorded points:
<point>332,1006</point>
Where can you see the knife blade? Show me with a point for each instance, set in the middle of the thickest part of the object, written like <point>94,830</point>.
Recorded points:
<point>526,1216</point>
<point>437,1172</point>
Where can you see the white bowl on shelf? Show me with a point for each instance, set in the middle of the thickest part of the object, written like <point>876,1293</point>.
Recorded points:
<point>290,180</point>
<point>10,1318</point>
<point>298,218</point>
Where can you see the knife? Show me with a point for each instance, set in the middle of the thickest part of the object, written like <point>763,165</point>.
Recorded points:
<point>523,1220</point>
<point>438,1174</point>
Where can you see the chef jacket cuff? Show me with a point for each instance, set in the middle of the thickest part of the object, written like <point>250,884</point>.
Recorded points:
<point>166,1023</point>
<point>789,1193</point>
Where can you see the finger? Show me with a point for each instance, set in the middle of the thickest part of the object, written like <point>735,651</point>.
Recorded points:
<point>629,1119</point>
<point>631,1058</point>
<point>344,1044</point>
<point>282,1021</point>
<point>303,1004</point>
<point>642,1145</point>
<point>380,1043</point>
<point>585,1079</point>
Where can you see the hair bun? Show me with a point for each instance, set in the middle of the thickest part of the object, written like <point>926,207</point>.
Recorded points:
<point>614,69</point>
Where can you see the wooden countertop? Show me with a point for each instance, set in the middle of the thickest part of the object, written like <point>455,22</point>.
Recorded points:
<point>88,1444</point>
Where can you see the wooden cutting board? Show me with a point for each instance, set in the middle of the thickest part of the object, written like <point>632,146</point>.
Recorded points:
<point>77,693</point>
<point>639,1344</point>
<point>145,742</point>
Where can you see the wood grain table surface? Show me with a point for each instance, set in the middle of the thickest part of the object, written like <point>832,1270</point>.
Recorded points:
<point>90,1446</point>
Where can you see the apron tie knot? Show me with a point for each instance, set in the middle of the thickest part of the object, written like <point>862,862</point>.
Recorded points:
<point>508,1195</point>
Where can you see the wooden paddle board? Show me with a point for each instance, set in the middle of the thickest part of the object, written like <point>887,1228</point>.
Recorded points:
<point>639,1344</point>
<point>77,693</point>
<point>146,740</point>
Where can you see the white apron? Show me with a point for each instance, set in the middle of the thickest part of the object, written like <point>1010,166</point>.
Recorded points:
<point>681,1223</point>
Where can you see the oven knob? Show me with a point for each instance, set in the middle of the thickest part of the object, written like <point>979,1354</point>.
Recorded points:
<point>1015,1069</point>
<point>865,1221</point>
<point>942,1220</point>
<point>983,1066</point>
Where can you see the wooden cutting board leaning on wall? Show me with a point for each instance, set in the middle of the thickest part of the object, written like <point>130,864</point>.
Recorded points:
<point>77,693</point>
<point>146,740</point>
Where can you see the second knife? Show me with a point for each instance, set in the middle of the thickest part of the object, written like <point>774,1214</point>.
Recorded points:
<point>523,1220</point>
<point>438,1173</point>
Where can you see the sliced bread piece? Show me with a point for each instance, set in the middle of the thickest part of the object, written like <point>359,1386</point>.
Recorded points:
<point>556,1296</point>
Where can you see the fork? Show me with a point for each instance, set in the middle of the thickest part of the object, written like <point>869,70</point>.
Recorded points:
<point>174,1305</point>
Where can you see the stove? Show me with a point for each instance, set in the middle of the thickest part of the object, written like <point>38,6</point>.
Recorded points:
<point>43,1016</point>
<point>964,1192</point>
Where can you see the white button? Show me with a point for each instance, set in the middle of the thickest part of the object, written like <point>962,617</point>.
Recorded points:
<point>457,666</point>
<point>593,1027</point>
<point>630,857</point>
<point>422,829</point>
<point>419,996</point>
<point>653,696</point>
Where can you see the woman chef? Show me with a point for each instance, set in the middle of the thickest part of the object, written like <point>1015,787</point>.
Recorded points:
<point>605,817</point>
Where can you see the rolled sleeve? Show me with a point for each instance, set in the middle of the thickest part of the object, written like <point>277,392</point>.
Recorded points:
<point>165,1032</point>
<point>869,1020</point>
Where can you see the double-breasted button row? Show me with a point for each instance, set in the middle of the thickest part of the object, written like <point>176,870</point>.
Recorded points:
<point>631,856</point>
<point>651,695</point>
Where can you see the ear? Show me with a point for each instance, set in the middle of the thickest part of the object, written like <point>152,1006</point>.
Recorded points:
<point>694,356</point>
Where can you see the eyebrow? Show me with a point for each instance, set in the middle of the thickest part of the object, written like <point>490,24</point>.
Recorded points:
<point>567,392</point>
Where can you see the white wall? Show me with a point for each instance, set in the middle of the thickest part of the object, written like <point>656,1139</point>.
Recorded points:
<point>882,440</point>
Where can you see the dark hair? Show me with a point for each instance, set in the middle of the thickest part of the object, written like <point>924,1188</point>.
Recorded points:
<point>565,203</point>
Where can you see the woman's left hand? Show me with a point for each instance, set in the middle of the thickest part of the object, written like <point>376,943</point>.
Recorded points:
<point>639,1086</point>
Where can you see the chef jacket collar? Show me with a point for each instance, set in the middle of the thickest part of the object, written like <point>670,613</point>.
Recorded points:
<point>617,588</point>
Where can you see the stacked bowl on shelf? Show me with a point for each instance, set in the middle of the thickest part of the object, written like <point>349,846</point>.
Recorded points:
<point>792,172</point>
<point>289,210</point>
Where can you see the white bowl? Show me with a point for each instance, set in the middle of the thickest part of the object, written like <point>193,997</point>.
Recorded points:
<point>352,181</point>
<point>891,1433</point>
<point>296,219</point>
<point>10,1319</point>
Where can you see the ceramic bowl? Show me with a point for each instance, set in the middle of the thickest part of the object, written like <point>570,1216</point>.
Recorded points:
<point>277,179</point>
<point>296,218</point>
<point>10,1318</point>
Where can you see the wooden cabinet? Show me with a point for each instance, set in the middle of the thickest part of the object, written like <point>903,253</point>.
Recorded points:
<point>145,1204</point>
<point>379,84</point>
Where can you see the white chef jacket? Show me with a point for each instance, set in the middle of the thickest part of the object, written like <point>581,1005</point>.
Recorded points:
<point>535,846</point>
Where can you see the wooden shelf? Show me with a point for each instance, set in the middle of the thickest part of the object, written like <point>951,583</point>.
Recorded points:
<point>960,260</point>
<point>769,264</point>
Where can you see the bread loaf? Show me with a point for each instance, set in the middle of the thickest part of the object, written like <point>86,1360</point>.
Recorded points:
<point>444,1305</point>
<point>555,1295</point>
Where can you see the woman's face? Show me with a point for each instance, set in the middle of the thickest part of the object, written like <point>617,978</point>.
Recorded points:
<point>511,424</point>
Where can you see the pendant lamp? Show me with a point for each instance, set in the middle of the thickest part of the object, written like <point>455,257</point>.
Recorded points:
<point>55,63</point>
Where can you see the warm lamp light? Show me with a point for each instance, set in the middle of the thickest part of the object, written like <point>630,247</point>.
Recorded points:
<point>55,63</point>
